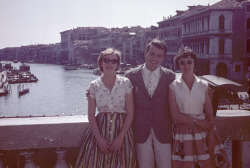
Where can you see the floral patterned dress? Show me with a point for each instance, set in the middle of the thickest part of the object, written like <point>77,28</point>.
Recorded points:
<point>110,119</point>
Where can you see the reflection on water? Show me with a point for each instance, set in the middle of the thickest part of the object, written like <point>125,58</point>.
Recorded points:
<point>58,92</point>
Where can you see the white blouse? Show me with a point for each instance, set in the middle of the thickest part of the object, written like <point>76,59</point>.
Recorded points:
<point>189,102</point>
<point>113,101</point>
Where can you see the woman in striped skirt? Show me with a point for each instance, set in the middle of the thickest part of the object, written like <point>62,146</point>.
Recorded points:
<point>196,143</point>
<point>109,142</point>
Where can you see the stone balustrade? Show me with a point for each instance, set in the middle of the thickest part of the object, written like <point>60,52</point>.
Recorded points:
<point>39,141</point>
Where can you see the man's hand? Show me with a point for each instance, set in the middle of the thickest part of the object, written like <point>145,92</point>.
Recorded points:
<point>210,92</point>
<point>87,94</point>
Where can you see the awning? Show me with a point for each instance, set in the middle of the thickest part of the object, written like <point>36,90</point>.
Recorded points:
<point>219,81</point>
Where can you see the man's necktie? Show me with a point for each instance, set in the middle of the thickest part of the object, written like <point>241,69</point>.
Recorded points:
<point>150,84</point>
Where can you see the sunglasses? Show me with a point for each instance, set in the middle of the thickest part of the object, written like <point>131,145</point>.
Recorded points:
<point>189,62</point>
<point>107,60</point>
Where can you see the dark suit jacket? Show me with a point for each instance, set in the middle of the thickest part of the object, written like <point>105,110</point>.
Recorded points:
<point>151,112</point>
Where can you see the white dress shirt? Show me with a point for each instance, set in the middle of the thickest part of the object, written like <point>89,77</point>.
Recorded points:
<point>155,76</point>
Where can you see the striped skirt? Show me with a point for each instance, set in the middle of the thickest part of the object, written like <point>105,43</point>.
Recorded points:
<point>109,126</point>
<point>190,149</point>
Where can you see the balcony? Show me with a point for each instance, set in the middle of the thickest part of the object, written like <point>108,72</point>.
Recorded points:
<point>53,142</point>
<point>207,32</point>
<point>221,56</point>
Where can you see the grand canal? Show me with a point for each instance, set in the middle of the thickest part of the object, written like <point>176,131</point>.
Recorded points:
<point>58,92</point>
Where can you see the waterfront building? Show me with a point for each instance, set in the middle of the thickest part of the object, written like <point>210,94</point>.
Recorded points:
<point>170,31</point>
<point>82,51</point>
<point>117,38</point>
<point>246,39</point>
<point>55,53</point>
<point>29,53</point>
<point>44,54</point>
<point>134,47</point>
<point>217,33</point>
<point>9,53</point>
<point>68,38</point>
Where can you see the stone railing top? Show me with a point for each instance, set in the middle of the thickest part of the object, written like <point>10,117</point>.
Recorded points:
<point>42,132</point>
<point>43,120</point>
<point>68,131</point>
<point>233,113</point>
<point>233,124</point>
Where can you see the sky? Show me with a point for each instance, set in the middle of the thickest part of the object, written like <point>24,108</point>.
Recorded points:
<point>31,22</point>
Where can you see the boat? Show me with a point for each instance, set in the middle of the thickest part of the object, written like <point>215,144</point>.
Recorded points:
<point>15,61</point>
<point>24,67</point>
<point>23,75</point>
<point>4,87</point>
<point>91,66</point>
<point>22,78</point>
<point>97,71</point>
<point>69,67</point>
<point>21,90</point>
<point>3,91</point>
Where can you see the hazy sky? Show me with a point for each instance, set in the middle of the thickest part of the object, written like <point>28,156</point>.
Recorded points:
<point>26,22</point>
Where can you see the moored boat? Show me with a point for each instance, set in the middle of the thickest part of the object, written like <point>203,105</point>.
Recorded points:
<point>23,75</point>
<point>4,88</point>
<point>97,71</point>
<point>3,91</point>
<point>22,79</point>
<point>21,90</point>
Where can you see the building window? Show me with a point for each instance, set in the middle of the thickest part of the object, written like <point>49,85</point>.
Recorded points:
<point>237,68</point>
<point>248,23</point>
<point>248,8</point>
<point>221,46</point>
<point>248,46</point>
<point>221,22</point>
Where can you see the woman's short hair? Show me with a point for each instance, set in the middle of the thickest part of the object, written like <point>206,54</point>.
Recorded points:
<point>108,51</point>
<point>185,52</point>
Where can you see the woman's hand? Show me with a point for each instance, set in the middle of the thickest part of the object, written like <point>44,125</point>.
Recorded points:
<point>205,124</point>
<point>103,145</point>
<point>116,144</point>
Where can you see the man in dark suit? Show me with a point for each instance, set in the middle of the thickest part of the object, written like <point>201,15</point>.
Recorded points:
<point>152,123</point>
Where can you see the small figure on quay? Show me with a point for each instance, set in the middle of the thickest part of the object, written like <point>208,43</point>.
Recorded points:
<point>152,124</point>
<point>109,142</point>
<point>196,142</point>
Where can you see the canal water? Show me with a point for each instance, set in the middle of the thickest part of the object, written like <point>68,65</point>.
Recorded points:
<point>58,92</point>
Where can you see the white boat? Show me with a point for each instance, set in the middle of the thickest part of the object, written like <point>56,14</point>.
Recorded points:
<point>4,87</point>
